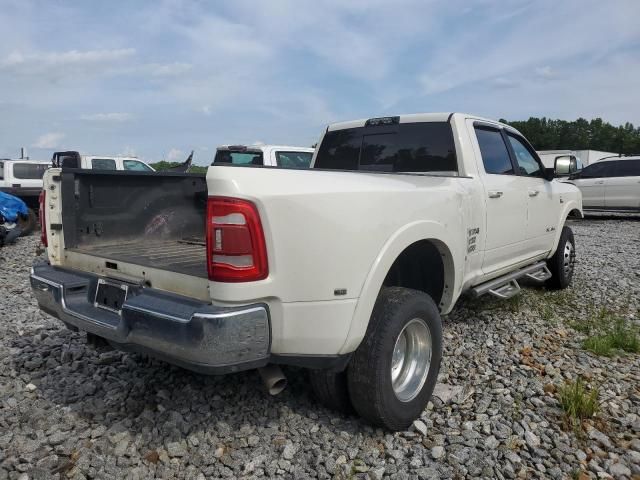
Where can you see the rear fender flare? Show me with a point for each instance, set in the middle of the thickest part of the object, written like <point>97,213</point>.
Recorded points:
<point>395,245</point>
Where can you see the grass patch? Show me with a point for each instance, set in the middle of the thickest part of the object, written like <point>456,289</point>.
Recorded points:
<point>513,304</point>
<point>546,313</point>
<point>578,402</point>
<point>597,321</point>
<point>619,337</point>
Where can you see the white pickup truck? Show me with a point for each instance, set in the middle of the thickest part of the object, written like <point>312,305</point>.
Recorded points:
<point>344,268</point>
<point>73,159</point>
<point>268,155</point>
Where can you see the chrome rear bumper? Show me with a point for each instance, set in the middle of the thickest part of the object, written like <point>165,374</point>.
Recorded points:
<point>177,329</point>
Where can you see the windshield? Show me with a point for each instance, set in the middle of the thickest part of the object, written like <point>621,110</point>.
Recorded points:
<point>29,171</point>
<point>239,157</point>
<point>404,147</point>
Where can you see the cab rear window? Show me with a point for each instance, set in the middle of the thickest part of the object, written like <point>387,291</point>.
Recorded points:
<point>404,147</point>
<point>294,159</point>
<point>239,157</point>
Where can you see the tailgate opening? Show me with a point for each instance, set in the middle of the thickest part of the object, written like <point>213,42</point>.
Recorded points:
<point>150,219</point>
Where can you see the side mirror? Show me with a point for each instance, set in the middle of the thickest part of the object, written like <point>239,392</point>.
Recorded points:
<point>565,165</point>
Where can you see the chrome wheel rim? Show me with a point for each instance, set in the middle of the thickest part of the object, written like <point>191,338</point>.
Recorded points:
<point>568,259</point>
<point>411,360</point>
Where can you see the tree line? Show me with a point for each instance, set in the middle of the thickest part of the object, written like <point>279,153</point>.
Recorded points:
<point>549,134</point>
<point>164,165</point>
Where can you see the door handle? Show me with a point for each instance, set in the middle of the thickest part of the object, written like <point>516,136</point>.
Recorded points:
<point>599,182</point>
<point>495,194</point>
<point>533,193</point>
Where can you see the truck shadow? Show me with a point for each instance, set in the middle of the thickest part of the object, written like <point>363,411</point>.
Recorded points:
<point>123,391</point>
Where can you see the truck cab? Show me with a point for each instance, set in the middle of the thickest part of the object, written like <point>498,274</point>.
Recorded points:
<point>73,159</point>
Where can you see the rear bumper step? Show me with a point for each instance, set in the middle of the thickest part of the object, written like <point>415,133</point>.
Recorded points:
<point>177,329</point>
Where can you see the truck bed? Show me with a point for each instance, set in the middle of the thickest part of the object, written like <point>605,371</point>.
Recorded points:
<point>181,256</point>
<point>150,219</point>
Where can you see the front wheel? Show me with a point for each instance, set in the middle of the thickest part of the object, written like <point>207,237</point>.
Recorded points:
<point>394,370</point>
<point>562,264</point>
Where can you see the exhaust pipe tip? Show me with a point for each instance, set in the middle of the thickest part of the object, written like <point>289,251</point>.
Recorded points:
<point>273,379</point>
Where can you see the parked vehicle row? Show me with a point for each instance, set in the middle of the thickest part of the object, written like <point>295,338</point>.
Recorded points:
<point>343,268</point>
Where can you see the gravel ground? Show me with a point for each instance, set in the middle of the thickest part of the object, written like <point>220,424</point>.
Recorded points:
<point>70,411</point>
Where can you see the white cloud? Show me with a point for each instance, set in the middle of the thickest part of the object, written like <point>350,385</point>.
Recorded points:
<point>175,155</point>
<point>545,72</point>
<point>128,151</point>
<point>19,62</point>
<point>156,69</point>
<point>462,60</point>
<point>107,117</point>
<point>503,82</point>
<point>48,140</point>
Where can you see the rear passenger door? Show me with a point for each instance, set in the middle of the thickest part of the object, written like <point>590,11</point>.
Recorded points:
<point>623,188</point>
<point>505,201</point>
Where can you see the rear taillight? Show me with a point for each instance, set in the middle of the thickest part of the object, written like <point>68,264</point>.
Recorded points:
<point>236,250</point>
<point>43,218</point>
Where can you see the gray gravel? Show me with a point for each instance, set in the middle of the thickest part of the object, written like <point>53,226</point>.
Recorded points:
<point>70,411</point>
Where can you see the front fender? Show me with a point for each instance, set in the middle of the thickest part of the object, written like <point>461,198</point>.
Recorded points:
<point>569,206</point>
<point>449,246</point>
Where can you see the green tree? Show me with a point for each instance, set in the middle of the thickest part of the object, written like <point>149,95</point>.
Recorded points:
<point>164,165</point>
<point>581,134</point>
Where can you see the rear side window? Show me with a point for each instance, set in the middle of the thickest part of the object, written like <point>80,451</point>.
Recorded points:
<point>294,159</point>
<point>405,147</point>
<point>628,168</point>
<point>29,171</point>
<point>598,170</point>
<point>238,158</point>
<point>495,155</point>
<point>1,170</point>
<point>103,164</point>
<point>135,165</point>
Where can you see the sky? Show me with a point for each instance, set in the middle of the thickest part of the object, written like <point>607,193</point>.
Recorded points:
<point>158,79</point>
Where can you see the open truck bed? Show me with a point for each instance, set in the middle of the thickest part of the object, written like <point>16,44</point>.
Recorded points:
<point>143,218</point>
<point>180,256</point>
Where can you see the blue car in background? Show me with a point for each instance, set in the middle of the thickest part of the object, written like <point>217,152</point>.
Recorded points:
<point>16,219</point>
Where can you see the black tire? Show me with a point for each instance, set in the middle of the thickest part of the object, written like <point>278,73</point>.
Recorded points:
<point>369,373</point>
<point>566,252</point>
<point>28,223</point>
<point>330,388</point>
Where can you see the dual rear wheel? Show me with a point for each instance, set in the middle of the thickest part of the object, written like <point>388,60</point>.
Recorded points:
<point>392,374</point>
